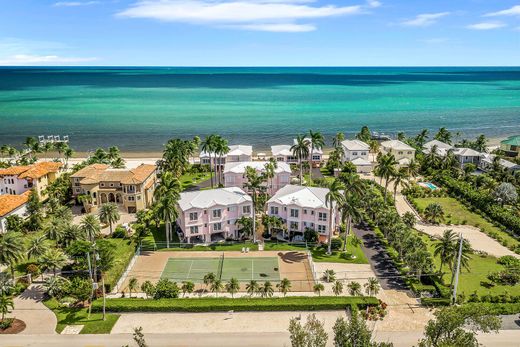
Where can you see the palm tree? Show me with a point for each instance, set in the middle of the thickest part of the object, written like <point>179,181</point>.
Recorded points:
<point>318,288</point>
<point>109,214</point>
<point>90,226</point>
<point>443,135</point>
<point>446,247</point>
<point>266,291</point>
<point>54,286</point>
<point>420,139</point>
<point>338,138</point>
<point>252,287</point>
<point>55,228</point>
<point>332,198</point>
<point>6,305</point>
<point>187,287</point>
<point>271,222</point>
<point>400,178</point>
<point>221,148</point>
<point>317,141</point>
<point>374,146</point>
<point>270,168</point>
<point>254,184</point>
<point>337,288</point>
<point>385,168</point>
<point>433,212</point>
<point>284,286</point>
<point>37,247</point>
<point>354,288</point>
<point>216,286</point>
<point>69,152</point>
<point>372,286</point>
<point>11,249</point>
<point>167,194</point>
<point>329,276</point>
<point>208,146</point>
<point>350,213</point>
<point>232,286</point>
<point>245,225</point>
<point>413,169</point>
<point>301,151</point>
<point>53,259</point>
<point>208,279</point>
<point>133,284</point>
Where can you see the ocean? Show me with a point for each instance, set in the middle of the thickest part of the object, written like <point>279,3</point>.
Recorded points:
<point>139,109</point>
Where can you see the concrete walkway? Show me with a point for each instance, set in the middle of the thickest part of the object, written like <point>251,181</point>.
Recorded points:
<point>28,307</point>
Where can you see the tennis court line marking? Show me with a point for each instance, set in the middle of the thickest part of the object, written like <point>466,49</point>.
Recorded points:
<point>252,269</point>
<point>189,271</point>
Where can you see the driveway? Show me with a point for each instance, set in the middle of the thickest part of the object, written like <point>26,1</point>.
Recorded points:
<point>381,262</point>
<point>29,307</point>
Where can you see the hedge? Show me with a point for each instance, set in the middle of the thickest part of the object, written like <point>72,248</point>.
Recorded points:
<point>294,303</point>
<point>498,308</point>
<point>436,301</point>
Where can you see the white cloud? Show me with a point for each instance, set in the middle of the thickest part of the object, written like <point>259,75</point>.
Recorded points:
<point>425,19</point>
<point>513,11</point>
<point>28,59</point>
<point>374,3</point>
<point>74,3</point>
<point>486,26</point>
<point>266,15</point>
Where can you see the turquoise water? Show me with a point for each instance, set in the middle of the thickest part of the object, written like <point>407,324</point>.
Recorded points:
<point>139,109</point>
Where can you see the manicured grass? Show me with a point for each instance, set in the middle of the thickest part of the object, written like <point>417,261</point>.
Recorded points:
<point>79,316</point>
<point>480,267</point>
<point>319,255</point>
<point>293,303</point>
<point>456,213</point>
<point>190,180</point>
<point>273,246</point>
<point>125,250</point>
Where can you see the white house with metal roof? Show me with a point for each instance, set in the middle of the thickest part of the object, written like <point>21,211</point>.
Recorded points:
<point>234,174</point>
<point>356,152</point>
<point>402,152</point>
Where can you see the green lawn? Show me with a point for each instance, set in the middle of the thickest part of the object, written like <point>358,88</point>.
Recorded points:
<point>319,255</point>
<point>190,180</point>
<point>456,213</point>
<point>79,316</point>
<point>124,251</point>
<point>480,267</point>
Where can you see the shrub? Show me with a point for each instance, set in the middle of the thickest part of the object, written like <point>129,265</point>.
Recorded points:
<point>6,323</point>
<point>436,301</point>
<point>119,233</point>
<point>336,244</point>
<point>166,289</point>
<point>508,260</point>
<point>79,288</point>
<point>293,303</point>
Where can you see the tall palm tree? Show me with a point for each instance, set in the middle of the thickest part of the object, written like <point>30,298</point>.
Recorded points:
<point>338,138</point>
<point>413,169</point>
<point>90,227</point>
<point>208,146</point>
<point>232,286</point>
<point>352,184</point>
<point>37,247</point>
<point>55,228</point>
<point>284,286</point>
<point>109,214</point>
<point>434,213</point>
<point>53,259</point>
<point>208,279</point>
<point>400,178</point>
<point>11,249</point>
<point>332,198</point>
<point>271,222</point>
<point>255,185</point>
<point>443,135</point>
<point>167,195</point>
<point>420,139</point>
<point>216,286</point>
<point>270,169</point>
<point>301,151</point>
<point>317,142</point>
<point>385,169</point>
<point>69,152</point>
<point>221,148</point>
<point>349,207</point>
<point>446,247</point>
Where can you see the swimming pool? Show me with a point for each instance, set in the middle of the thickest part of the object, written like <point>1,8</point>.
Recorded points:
<point>428,185</point>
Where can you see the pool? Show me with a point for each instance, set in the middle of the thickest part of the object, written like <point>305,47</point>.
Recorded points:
<point>428,185</point>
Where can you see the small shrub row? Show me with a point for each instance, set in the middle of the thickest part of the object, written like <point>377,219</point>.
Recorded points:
<point>436,301</point>
<point>239,304</point>
<point>510,308</point>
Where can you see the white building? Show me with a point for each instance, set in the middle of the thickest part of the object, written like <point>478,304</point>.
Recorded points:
<point>284,153</point>
<point>302,207</point>
<point>237,153</point>
<point>467,156</point>
<point>486,163</point>
<point>234,174</point>
<point>441,147</point>
<point>210,215</point>
<point>356,152</point>
<point>11,205</point>
<point>402,152</point>
<point>16,180</point>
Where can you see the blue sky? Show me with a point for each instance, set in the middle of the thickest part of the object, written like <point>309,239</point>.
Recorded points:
<point>260,32</point>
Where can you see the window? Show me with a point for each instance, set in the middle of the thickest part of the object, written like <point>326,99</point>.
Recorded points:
<point>78,190</point>
<point>304,211</point>
<point>217,227</point>
<point>294,213</point>
<point>217,213</point>
<point>279,158</point>
<point>322,228</point>
<point>111,184</point>
<point>246,209</point>
<point>316,157</point>
<point>400,152</point>
<point>409,152</point>
<point>322,216</point>
<point>101,184</point>
<point>274,210</point>
<point>363,153</point>
<point>232,208</point>
<point>131,198</point>
<point>194,230</point>
<point>354,153</point>
<point>194,216</point>
<point>312,212</point>
<point>294,226</point>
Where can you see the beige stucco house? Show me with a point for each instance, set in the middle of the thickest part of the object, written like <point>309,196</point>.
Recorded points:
<point>402,152</point>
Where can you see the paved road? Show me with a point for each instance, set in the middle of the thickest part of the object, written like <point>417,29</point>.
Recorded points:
<point>28,307</point>
<point>381,262</point>
<point>506,338</point>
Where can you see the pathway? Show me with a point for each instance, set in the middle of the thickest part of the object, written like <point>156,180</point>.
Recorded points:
<point>28,307</point>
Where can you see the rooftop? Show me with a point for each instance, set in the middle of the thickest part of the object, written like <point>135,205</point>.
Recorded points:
<point>284,150</point>
<point>9,203</point>
<point>397,145</point>
<point>439,144</point>
<point>355,145</point>
<point>308,139</point>
<point>96,173</point>
<point>213,197</point>
<point>311,197</point>
<point>33,171</point>
<point>240,167</point>
<point>233,150</point>
<point>512,141</point>
<point>466,152</point>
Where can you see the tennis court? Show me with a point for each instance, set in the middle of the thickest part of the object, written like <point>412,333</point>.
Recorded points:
<point>243,269</point>
<point>191,266</point>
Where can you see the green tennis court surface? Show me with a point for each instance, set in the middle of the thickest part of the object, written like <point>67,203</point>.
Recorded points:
<point>243,269</point>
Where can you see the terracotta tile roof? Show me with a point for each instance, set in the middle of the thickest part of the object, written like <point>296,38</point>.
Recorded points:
<point>33,171</point>
<point>96,173</point>
<point>9,203</point>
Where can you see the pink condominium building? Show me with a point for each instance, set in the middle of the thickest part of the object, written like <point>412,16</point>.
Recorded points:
<point>303,207</point>
<point>234,174</point>
<point>210,215</point>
